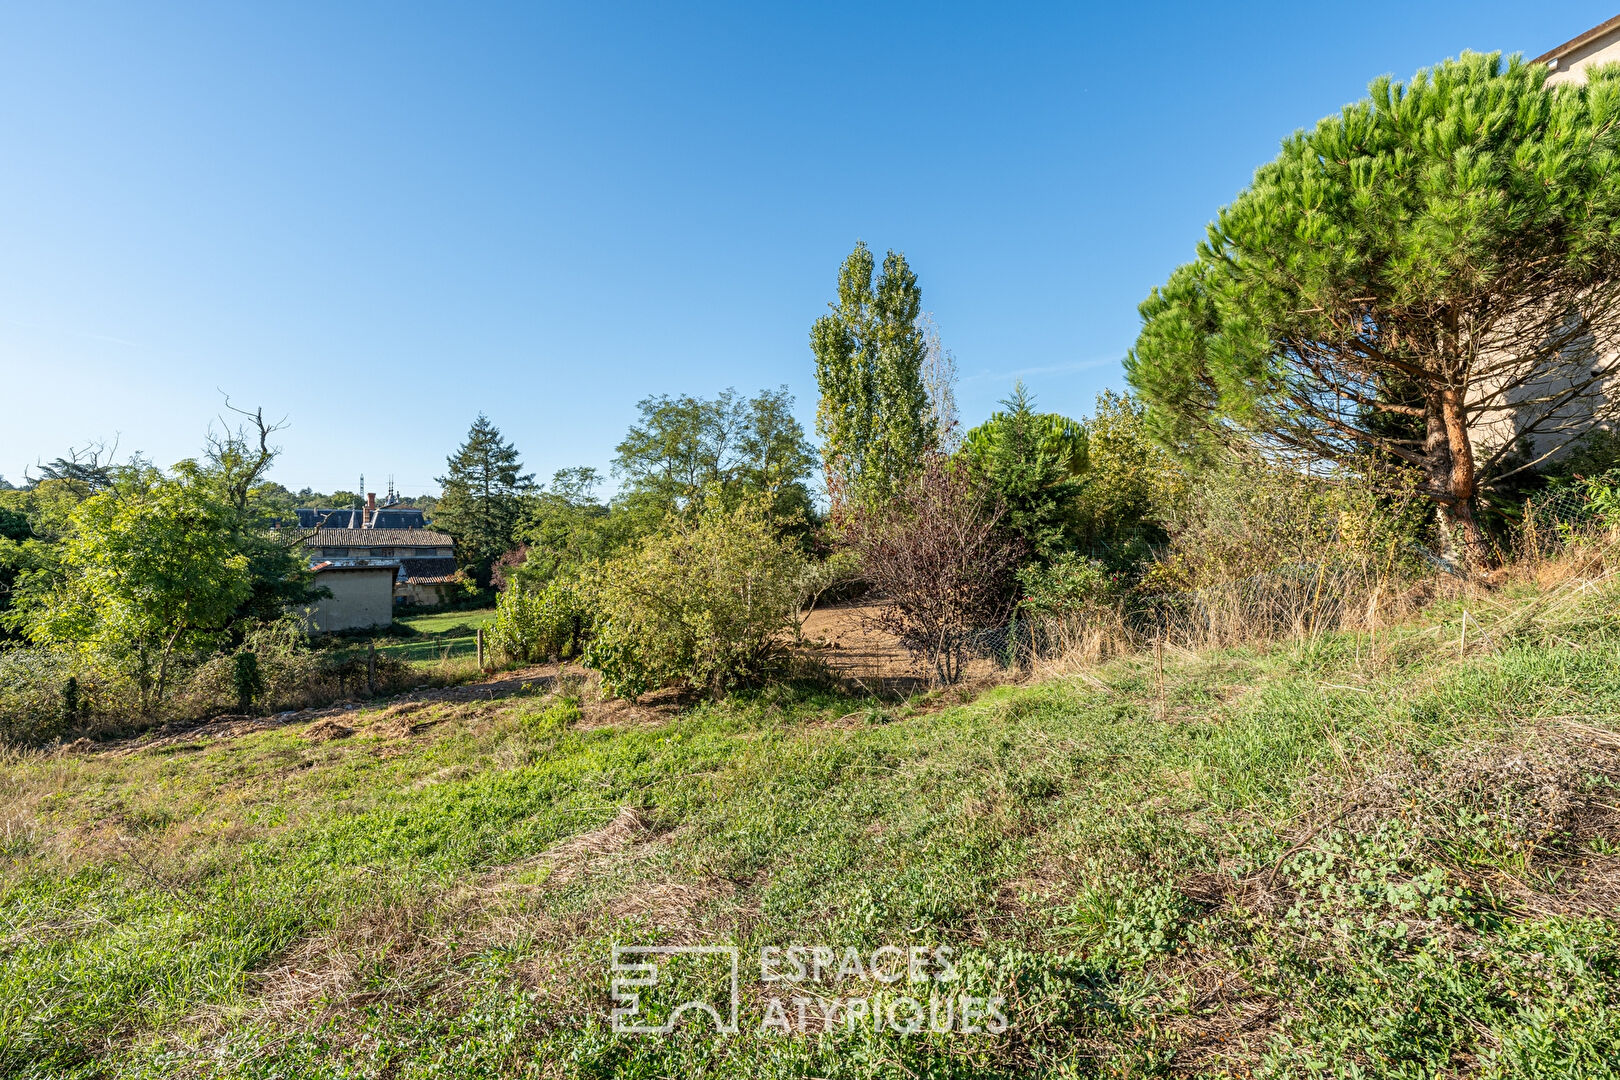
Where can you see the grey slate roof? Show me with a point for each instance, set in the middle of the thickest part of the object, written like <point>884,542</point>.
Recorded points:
<point>331,519</point>
<point>387,517</point>
<point>398,518</point>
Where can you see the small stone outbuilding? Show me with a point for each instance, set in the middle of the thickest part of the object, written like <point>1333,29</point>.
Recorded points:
<point>362,597</point>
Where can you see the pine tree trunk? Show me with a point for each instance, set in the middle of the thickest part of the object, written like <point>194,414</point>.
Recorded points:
<point>1454,477</point>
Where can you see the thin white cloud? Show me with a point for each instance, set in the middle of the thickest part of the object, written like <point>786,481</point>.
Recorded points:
<point>1051,369</point>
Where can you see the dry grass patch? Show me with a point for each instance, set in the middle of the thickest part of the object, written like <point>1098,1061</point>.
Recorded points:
<point>327,730</point>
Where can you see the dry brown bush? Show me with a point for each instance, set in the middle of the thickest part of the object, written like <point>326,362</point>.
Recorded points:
<point>937,553</point>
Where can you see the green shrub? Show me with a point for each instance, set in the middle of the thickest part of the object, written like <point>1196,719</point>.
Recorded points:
<point>707,605</point>
<point>1070,584</point>
<point>33,703</point>
<point>1130,487</point>
<point>247,680</point>
<point>538,623</point>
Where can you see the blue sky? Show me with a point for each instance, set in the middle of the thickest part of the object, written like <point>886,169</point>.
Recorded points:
<point>378,220</point>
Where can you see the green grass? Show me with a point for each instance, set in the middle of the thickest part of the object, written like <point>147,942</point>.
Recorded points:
<point>1323,860</point>
<point>442,635</point>
<point>449,623</point>
<point>435,649</point>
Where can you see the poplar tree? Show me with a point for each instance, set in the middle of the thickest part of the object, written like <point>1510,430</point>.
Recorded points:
<point>482,502</point>
<point>873,417</point>
<point>1432,275</point>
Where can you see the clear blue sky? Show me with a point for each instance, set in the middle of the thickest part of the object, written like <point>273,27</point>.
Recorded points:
<point>378,219</point>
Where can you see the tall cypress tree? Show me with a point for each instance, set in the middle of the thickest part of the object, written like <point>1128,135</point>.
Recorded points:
<point>482,499</point>
<point>873,417</point>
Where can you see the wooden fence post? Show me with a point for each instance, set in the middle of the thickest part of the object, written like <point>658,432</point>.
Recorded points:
<point>478,636</point>
<point>371,669</point>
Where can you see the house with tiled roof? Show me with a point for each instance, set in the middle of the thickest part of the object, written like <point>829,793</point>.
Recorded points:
<point>423,560</point>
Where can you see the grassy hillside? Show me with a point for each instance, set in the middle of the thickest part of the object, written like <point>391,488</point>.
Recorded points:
<point>1390,856</point>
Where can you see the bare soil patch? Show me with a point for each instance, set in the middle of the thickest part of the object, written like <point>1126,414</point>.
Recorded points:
<point>857,650</point>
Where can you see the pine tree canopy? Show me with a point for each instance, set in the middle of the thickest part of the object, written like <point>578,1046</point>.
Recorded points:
<point>483,498</point>
<point>1030,462</point>
<point>1019,425</point>
<point>1415,277</point>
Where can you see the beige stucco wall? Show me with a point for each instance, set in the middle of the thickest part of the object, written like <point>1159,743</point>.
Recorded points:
<point>1603,50</point>
<point>1581,358</point>
<point>1576,363</point>
<point>361,598</point>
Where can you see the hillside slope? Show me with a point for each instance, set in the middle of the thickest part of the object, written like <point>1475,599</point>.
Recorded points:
<point>1350,856</point>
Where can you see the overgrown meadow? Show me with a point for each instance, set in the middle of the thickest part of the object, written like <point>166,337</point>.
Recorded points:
<point>1358,854</point>
<point>1273,724</point>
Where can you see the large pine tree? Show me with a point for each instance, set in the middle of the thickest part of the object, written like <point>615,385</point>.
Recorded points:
<point>1433,275</point>
<point>483,499</point>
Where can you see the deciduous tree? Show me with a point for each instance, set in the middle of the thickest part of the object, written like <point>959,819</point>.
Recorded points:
<point>1131,485</point>
<point>938,553</point>
<point>939,383</point>
<point>148,571</point>
<point>685,449</point>
<point>873,418</point>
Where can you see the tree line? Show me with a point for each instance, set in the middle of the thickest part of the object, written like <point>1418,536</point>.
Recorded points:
<point>1400,330</point>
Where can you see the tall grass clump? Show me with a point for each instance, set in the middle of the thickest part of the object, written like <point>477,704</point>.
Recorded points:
<point>1255,552</point>
<point>1259,551</point>
<point>1076,608</point>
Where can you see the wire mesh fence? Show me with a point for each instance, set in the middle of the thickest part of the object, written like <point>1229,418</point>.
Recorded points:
<point>1569,511</point>
<point>1565,506</point>
<point>417,652</point>
<point>1298,600</point>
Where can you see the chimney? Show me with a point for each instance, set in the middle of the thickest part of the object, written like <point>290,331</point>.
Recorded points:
<point>371,509</point>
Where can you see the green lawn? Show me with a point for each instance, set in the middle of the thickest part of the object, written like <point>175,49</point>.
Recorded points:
<point>434,649</point>
<point>449,623</point>
<point>1342,858</point>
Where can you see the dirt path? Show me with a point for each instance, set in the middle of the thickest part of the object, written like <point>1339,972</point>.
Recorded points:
<point>855,649</point>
